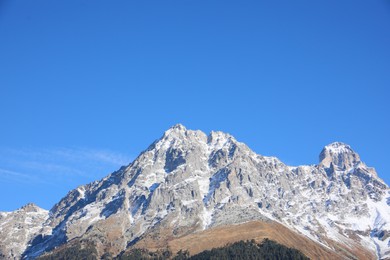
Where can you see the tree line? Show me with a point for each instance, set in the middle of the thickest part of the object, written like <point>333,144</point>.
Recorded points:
<point>242,250</point>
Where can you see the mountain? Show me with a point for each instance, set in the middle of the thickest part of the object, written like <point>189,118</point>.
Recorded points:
<point>19,227</point>
<point>194,191</point>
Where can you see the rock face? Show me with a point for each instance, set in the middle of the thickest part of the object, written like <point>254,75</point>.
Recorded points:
<point>19,227</point>
<point>187,182</point>
<point>339,155</point>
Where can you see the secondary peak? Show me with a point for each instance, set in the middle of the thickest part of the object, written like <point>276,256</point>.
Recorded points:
<point>340,155</point>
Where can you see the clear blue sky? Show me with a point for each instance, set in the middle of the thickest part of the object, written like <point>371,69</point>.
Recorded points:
<point>86,85</point>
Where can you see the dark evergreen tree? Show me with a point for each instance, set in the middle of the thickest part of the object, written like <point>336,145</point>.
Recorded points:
<point>242,250</point>
<point>250,250</point>
<point>73,252</point>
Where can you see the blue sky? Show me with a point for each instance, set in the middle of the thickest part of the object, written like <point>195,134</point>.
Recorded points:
<point>85,86</point>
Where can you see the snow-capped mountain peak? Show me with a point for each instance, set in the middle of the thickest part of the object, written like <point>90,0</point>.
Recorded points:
<point>31,207</point>
<point>188,181</point>
<point>175,129</point>
<point>340,155</point>
<point>20,227</point>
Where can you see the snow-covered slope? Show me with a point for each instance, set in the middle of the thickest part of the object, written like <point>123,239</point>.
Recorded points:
<point>19,227</point>
<point>187,181</point>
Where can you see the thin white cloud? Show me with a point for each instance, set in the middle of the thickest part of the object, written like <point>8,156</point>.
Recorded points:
<point>7,175</point>
<point>58,169</point>
<point>48,165</point>
<point>4,172</point>
<point>93,155</point>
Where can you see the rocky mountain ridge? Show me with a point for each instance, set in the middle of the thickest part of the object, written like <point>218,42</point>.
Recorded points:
<point>187,182</point>
<point>19,227</point>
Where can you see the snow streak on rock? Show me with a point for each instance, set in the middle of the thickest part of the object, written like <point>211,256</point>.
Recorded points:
<point>187,181</point>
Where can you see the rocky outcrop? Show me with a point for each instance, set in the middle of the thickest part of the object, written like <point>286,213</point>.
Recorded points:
<point>19,227</point>
<point>188,182</point>
<point>339,155</point>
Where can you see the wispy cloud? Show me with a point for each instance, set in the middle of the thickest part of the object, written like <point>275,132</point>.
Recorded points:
<point>56,164</point>
<point>92,154</point>
<point>58,169</point>
<point>17,176</point>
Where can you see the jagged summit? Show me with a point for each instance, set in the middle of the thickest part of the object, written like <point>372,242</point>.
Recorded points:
<point>188,182</point>
<point>340,155</point>
<point>339,148</point>
<point>176,128</point>
<point>219,137</point>
<point>178,131</point>
<point>179,134</point>
<point>31,207</point>
<point>178,137</point>
<point>20,227</point>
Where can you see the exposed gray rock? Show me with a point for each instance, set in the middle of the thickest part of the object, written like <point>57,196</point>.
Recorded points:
<point>187,181</point>
<point>20,227</point>
<point>340,155</point>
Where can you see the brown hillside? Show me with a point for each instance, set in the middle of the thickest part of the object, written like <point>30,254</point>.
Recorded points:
<point>258,230</point>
